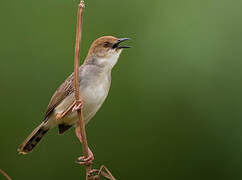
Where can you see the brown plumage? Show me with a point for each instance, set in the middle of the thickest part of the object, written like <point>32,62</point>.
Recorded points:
<point>94,82</point>
<point>61,93</point>
<point>33,139</point>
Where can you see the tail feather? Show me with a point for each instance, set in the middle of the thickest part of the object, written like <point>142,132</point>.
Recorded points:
<point>33,139</point>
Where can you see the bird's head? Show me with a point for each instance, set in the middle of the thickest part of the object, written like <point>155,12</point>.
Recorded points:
<point>106,50</point>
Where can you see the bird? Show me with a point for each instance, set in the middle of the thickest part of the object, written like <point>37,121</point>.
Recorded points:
<point>94,77</point>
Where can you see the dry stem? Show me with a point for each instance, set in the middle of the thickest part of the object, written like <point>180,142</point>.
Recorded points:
<point>81,125</point>
<point>5,174</point>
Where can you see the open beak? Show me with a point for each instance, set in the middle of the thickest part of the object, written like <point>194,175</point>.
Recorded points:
<point>118,46</point>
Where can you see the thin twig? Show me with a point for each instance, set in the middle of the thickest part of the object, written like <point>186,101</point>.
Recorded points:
<point>81,125</point>
<point>100,171</point>
<point>5,174</point>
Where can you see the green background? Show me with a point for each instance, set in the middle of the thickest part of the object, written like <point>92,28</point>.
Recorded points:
<point>174,110</point>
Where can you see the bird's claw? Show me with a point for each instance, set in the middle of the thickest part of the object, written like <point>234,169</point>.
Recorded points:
<point>85,160</point>
<point>77,106</point>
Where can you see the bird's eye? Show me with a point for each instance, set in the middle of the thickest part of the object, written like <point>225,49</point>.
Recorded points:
<point>106,44</point>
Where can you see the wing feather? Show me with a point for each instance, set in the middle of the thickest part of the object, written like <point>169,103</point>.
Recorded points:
<point>65,89</point>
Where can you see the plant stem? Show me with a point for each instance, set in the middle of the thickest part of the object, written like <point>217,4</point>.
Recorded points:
<point>81,124</point>
<point>5,174</point>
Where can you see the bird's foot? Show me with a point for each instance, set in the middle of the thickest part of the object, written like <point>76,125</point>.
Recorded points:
<point>83,160</point>
<point>77,106</point>
<point>58,116</point>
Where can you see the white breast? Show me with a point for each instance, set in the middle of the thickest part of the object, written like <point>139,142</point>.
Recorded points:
<point>93,95</point>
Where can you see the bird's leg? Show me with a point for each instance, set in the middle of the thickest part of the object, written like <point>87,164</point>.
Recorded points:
<point>77,105</point>
<point>61,115</point>
<point>84,160</point>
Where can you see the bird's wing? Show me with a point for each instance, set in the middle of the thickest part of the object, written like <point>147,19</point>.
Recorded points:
<point>65,89</point>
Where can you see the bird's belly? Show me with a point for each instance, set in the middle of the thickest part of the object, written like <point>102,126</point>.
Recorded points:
<point>92,97</point>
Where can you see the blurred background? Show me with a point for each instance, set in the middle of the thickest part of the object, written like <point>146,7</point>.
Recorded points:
<point>174,110</point>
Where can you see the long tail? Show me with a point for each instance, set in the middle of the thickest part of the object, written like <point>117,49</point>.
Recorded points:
<point>33,139</point>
